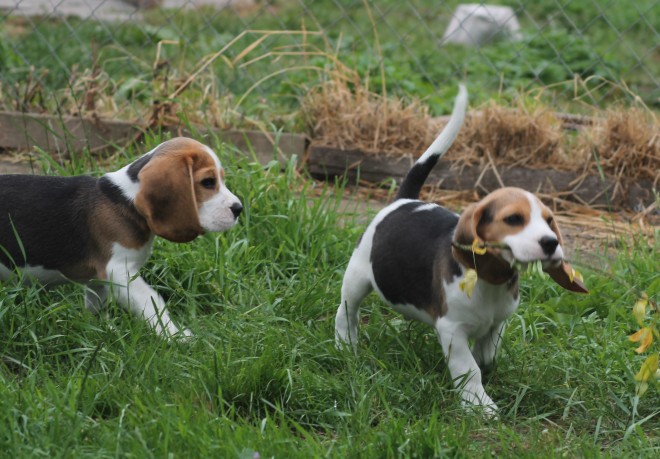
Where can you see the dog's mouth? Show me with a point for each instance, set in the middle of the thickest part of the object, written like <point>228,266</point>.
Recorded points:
<point>544,264</point>
<point>506,253</point>
<point>548,262</point>
<point>525,258</point>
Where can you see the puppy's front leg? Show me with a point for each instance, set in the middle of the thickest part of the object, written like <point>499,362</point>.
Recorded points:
<point>135,295</point>
<point>463,368</point>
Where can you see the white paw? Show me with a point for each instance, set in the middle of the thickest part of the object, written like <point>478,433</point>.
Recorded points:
<point>489,412</point>
<point>172,333</point>
<point>482,404</point>
<point>184,335</point>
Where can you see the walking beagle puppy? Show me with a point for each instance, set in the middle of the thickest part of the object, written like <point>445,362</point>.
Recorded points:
<point>418,257</point>
<point>84,229</point>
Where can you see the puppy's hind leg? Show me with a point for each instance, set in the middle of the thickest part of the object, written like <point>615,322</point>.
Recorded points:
<point>355,287</point>
<point>96,296</point>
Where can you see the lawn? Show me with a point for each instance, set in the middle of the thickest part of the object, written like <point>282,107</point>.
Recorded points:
<point>262,374</point>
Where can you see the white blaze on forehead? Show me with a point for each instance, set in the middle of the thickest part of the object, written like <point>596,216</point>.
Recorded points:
<point>525,245</point>
<point>212,154</point>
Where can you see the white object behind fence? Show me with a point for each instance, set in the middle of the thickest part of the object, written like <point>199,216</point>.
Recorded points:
<point>478,25</point>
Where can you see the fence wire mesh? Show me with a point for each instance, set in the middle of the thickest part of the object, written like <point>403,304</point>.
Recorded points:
<point>247,59</point>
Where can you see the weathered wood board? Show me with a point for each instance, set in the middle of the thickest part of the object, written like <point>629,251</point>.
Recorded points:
<point>68,134</point>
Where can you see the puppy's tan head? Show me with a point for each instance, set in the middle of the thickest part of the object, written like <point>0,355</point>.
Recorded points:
<point>182,192</point>
<point>519,228</point>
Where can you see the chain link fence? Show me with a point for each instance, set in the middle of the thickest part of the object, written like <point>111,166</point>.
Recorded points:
<point>223,61</point>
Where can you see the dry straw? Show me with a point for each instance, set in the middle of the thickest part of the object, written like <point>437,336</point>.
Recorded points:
<point>343,113</point>
<point>518,136</point>
<point>625,143</point>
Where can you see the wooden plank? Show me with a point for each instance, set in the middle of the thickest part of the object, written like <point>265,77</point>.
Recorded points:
<point>23,131</point>
<point>328,162</point>
<point>263,145</point>
<point>10,167</point>
<point>69,134</point>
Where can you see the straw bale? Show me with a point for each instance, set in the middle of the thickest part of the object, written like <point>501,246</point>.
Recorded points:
<point>626,143</point>
<point>349,116</point>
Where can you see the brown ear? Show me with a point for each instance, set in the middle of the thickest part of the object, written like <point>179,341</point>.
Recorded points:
<point>466,233</point>
<point>167,198</point>
<point>566,277</point>
<point>564,274</point>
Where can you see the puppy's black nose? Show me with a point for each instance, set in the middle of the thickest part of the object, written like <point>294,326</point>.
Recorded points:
<point>236,209</point>
<point>548,244</point>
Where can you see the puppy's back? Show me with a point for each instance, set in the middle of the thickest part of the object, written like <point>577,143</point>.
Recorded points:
<point>42,218</point>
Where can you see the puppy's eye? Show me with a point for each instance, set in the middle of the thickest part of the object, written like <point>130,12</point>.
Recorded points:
<point>549,221</point>
<point>208,183</point>
<point>514,220</point>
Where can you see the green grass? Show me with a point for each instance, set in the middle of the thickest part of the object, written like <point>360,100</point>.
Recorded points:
<point>561,40</point>
<point>262,374</point>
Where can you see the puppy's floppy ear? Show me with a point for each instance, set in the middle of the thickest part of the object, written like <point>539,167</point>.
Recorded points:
<point>564,274</point>
<point>467,232</point>
<point>167,198</point>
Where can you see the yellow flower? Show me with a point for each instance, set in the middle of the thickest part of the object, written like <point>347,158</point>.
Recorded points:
<point>477,249</point>
<point>645,335</point>
<point>468,282</point>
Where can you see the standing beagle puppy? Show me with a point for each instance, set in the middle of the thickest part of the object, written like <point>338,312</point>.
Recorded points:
<point>83,229</point>
<point>417,255</point>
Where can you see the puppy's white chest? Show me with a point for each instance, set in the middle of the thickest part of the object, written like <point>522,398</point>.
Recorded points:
<point>487,305</point>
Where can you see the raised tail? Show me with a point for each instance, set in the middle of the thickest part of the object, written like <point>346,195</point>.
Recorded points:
<point>416,176</point>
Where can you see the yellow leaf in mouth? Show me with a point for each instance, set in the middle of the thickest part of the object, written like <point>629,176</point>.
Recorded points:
<point>476,248</point>
<point>468,282</point>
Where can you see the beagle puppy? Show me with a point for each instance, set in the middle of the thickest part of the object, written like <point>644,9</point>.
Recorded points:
<point>419,256</point>
<point>100,231</point>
